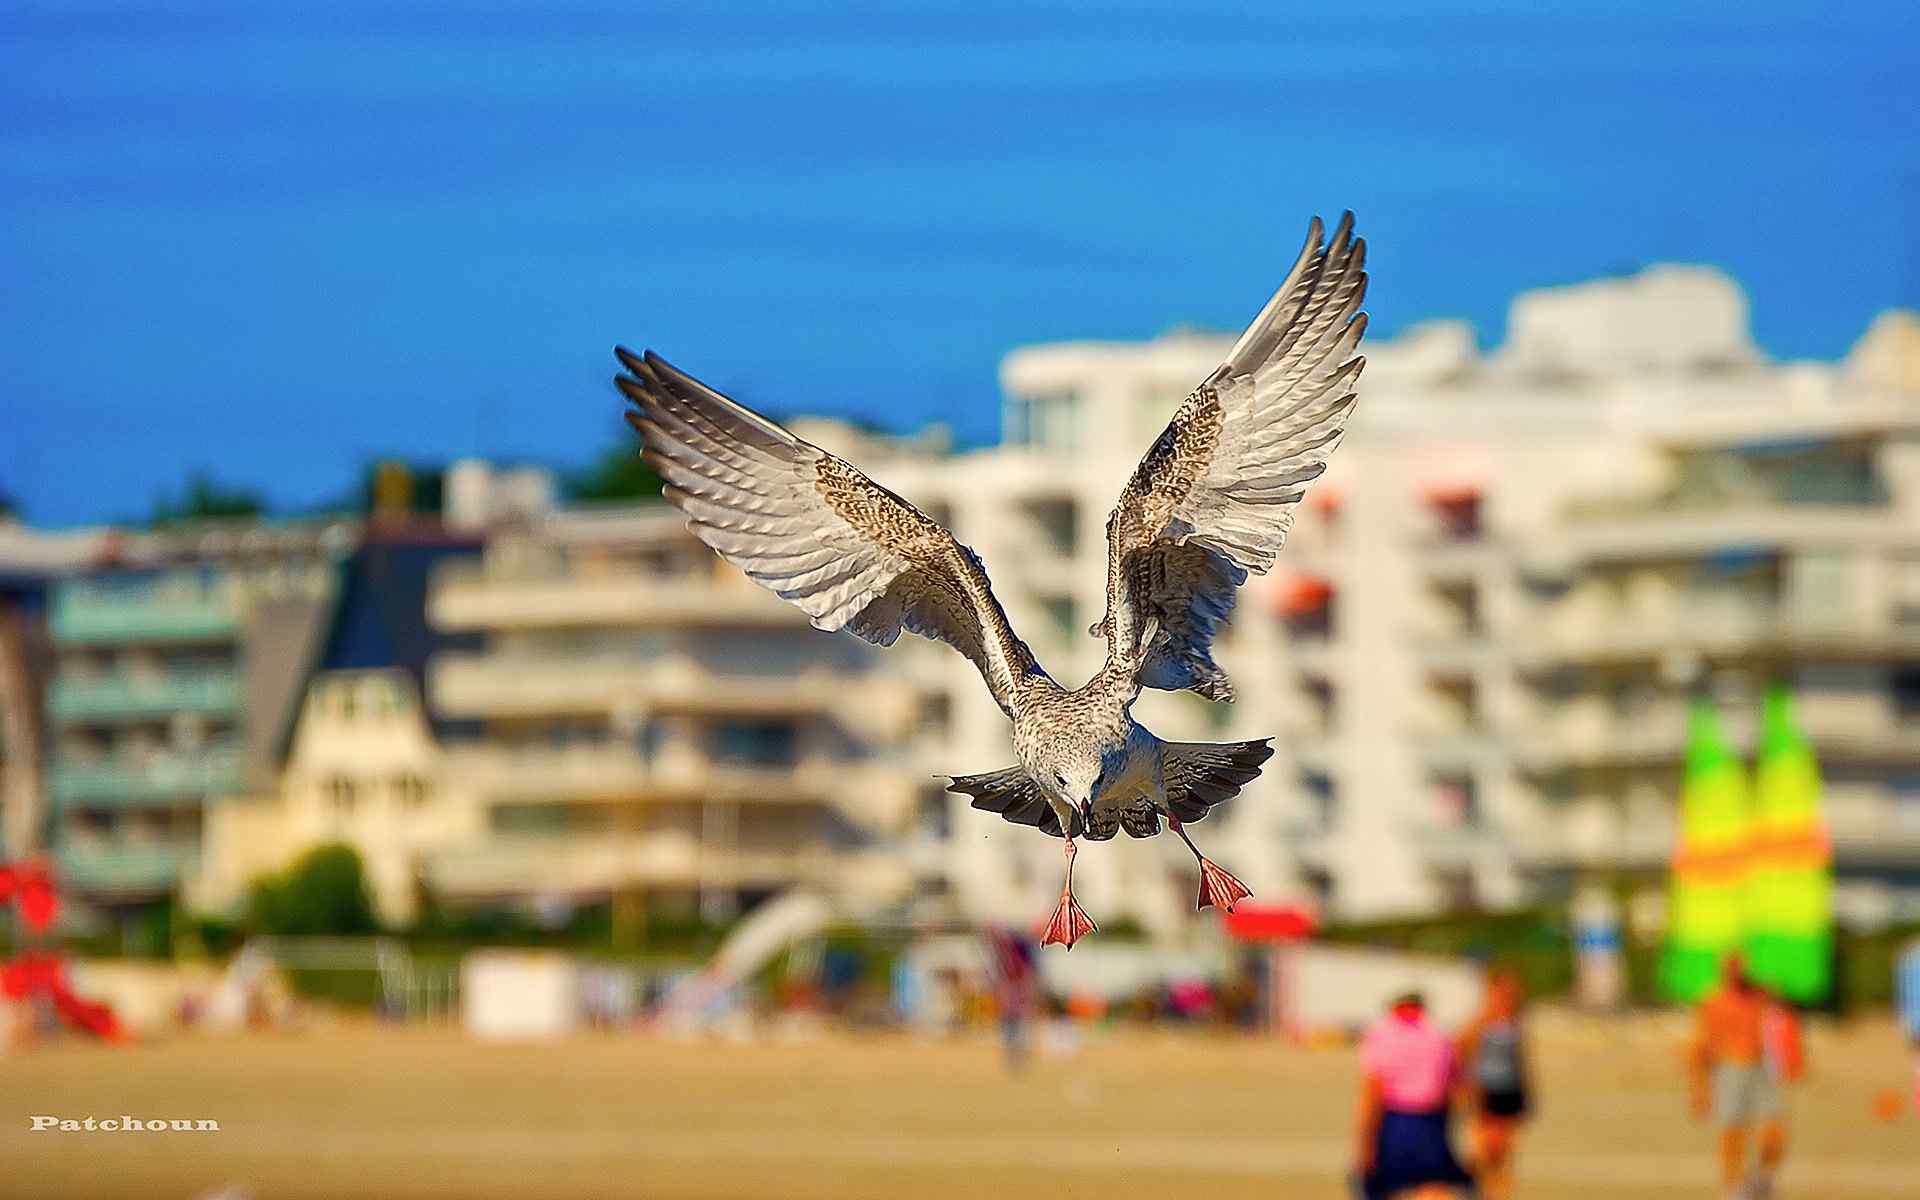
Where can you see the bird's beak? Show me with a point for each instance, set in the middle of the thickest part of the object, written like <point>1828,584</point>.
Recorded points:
<point>1086,813</point>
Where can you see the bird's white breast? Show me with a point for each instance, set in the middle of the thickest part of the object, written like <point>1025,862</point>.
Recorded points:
<point>1139,774</point>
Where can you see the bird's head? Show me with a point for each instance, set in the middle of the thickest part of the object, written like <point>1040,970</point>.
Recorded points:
<point>1076,775</point>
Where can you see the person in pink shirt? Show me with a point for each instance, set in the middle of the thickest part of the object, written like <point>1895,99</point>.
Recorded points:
<point>1410,1070</point>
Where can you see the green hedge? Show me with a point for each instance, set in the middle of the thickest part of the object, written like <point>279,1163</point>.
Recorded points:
<point>1537,942</point>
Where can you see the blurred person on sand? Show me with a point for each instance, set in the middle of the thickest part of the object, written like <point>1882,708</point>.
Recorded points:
<point>1013,968</point>
<point>1493,1056</point>
<point>1409,1071</point>
<point>1746,1048</point>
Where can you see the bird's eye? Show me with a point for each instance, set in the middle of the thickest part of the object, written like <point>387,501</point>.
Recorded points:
<point>1061,779</point>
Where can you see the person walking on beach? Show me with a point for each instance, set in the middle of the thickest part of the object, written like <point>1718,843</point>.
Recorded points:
<point>1410,1070</point>
<point>1493,1056</point>
<point>1011,957</point>
<point>1746,1047</point>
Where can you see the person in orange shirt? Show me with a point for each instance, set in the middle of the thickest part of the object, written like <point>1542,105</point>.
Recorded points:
<point>1746,1047</point>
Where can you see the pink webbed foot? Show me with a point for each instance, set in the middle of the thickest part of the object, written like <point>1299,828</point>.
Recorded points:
<point>1068,924</point>
<point>1219,887</point>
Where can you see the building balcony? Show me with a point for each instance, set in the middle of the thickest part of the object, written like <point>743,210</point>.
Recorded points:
<point>1561,640</point>
<point>1877,833</point>
<point>484,685</point>
<point>1599,835</point>
<point>123,869</point>
<point>1453,844</point>
<point>613,770</point>
<point>1047,564</point>
<point>1459,653</point>
<point>1665,529</point>
<point>124,697</point>
<point>133,617</point>
<point>1603,843</point>
<point>1315,655</point>
<point>1656,735</point>
<point>468,597</point>
<point>160,780</point>
<point>1457,559</point>
<point>1465,748</point>
<point>1309,839</point>
<point>868,794</point>
<point>600,863</point>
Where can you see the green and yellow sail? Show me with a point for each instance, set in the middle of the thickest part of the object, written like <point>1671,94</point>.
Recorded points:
<point>1707,906</point>
<point>1789,919</point>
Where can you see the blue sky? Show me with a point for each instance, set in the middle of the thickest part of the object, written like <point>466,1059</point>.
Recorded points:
<point>274,244</point>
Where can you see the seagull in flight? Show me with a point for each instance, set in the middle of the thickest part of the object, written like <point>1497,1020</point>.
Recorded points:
<point>1211,502</point>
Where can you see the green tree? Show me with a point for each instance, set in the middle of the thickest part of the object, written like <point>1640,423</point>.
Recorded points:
<point>619,473</point>
<point>324,892</point>
<point>205,498</point>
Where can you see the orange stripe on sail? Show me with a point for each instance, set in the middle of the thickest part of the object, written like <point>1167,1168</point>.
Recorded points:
<point>1798,848</point>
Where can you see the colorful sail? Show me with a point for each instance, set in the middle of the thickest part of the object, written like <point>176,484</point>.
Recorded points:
<point>1706,916</point>
<point>1790,921</point>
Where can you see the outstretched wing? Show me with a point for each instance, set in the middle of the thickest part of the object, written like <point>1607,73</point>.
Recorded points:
<point>1011,793</point>
<point>1214,496</point>
<point>810,528</point>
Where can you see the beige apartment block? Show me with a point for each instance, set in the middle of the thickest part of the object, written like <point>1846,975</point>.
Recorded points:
<point>646,725</point>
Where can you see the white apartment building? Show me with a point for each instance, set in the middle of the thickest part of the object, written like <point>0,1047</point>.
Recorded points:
<point>1474,656</point>
<point>1404,653</point>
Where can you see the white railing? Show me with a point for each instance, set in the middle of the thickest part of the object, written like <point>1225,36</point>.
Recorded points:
<point>616,597</point>
<point>529,684</point>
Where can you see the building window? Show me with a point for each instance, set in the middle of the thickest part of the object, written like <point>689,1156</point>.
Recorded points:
<point>1321,803</point>
<point>533,819</point>
<point>1321,699</point>
<point>1306,605</point>
<point>410,789</point>
<point>936,714</point>
<point>343,794</point>
<point>1456,512</point>
<point>1905,685</point>
<point>1906,800</point>
<point>1460,604</point>
<point>1906,590</point>
<point>1058,522</point>
<point>756,743</point>
<point>1456,801</point>
<point>1045,420</point>
<point>1060,612</point>
<point>1454,704</point>
<point>1457,891</point>
<point>935,813</point>
<point>1319,886</point>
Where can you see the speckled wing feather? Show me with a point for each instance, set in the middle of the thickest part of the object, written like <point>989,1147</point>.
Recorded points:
<point>1200,775</point>
<point>1214,497</point>
<point>813,530</point>
<point>1011,793</point>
